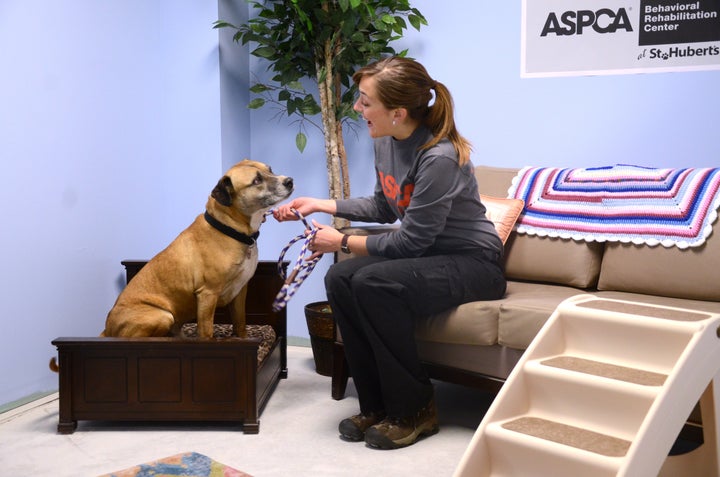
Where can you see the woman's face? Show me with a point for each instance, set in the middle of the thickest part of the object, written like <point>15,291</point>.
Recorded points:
<point>379,118</point>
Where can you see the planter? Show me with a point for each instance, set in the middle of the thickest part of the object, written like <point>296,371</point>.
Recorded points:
<point>321,327</point>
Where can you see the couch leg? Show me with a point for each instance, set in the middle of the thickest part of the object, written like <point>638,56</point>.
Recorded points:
<point>340,372</point>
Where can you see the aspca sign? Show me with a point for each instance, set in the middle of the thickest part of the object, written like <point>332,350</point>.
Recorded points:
<point>563,37</point>
<point>573,22</point>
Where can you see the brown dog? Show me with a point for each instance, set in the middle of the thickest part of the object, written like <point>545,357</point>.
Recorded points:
<point>207,266</point>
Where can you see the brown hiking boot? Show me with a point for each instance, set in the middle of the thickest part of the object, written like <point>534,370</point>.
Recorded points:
<point>393,432</point>
<point>353,428</point>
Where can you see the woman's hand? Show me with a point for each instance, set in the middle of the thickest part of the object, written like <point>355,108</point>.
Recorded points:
<point>305,206</point>
<point>327,239</point>
<point>302,204</point>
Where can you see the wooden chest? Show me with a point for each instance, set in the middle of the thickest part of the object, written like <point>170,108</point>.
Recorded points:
<point>176,379</point>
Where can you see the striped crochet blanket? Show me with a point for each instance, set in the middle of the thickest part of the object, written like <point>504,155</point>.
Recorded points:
<point>672,207</point>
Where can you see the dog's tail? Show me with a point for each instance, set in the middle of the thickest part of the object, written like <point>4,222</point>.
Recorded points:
<point>54,367</point>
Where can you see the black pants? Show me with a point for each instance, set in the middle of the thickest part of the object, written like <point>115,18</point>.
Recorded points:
<point>376,302</point>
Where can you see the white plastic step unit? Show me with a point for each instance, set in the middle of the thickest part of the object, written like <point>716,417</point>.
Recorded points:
<point>604,390</point>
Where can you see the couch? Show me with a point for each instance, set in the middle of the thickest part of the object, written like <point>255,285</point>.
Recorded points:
<point>477,344</point>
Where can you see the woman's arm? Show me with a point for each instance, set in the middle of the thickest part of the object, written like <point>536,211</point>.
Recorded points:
<point>306,206</point>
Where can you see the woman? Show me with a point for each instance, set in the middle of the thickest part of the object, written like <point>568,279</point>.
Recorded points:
<point>445,252</point>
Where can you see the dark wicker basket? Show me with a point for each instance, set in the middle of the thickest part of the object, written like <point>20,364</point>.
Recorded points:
<point>321,327</point>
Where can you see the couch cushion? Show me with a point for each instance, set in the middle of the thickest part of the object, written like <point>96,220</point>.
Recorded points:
<point>543,259</point>
<point>474,323</point>
<point>495,181</point>
<point>495,361</point>
<point>553,260</point>
<point>691,273</point>
<point>695,305</point>
<point>525,309</point>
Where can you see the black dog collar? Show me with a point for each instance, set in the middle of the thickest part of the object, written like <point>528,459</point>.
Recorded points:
<point>231,232</point>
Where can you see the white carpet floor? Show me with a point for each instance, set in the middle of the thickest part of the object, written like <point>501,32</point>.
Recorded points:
<point>298,436</point>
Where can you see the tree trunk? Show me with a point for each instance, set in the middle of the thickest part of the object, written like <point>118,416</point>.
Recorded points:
<point>331,127</point>
<point>344,171</point>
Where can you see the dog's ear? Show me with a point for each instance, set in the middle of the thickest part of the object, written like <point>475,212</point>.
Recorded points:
<point>223,192</point>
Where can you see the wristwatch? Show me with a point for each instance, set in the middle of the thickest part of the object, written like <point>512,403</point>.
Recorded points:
<point>344,244</point>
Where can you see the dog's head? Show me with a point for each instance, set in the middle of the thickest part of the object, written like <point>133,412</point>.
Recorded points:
<point>251,187</point>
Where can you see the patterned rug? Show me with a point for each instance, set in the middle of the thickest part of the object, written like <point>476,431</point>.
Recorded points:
<point>187,464</point>
<point>642,205</point>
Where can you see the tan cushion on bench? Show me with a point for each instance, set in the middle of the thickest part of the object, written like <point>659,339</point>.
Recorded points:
<point>473,323</point>
<point>525,309</point>
<point>692,273</point>
<point>543,259</point>
<point>495,181</point>
<point>553,260</point>
<point>495,360</point>
<point>695,305</point>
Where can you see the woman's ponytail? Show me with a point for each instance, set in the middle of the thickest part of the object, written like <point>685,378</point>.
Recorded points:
<point>405,83</point>
<point>440,120</point>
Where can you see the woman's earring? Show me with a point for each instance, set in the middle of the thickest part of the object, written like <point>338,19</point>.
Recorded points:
<point>393,122</point>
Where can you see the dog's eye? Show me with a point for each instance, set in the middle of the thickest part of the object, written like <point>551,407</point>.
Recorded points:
<point>258,179</point>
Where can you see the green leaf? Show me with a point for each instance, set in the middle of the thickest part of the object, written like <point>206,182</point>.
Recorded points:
<point>223,24</point>
<point>264,52</point>
<point>259,88</point>
<point>292,106</point>
<point>301,141</point>
<point>256,103</point>
<point>416,21</point>
<point>309,107</point>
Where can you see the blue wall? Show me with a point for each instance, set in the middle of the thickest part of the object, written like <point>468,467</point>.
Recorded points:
<point>118,117</point>
<point>110,144</point>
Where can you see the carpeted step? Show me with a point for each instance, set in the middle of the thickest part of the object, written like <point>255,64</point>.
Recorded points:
<point>569,435</point>
<point>607,370</point>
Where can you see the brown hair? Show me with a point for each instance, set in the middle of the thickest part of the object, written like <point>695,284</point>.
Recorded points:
<point>405,83</point>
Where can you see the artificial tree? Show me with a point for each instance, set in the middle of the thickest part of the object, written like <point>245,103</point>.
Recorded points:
<point>323,42</point>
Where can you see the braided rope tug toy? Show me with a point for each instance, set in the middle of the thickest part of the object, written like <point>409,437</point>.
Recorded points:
<point>300,271</point>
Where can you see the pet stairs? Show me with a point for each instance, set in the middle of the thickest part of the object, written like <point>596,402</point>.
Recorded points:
<point>604,390</point>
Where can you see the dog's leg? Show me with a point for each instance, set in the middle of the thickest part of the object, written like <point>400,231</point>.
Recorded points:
<point>237,313</point>
<point>137,321</point>
<point>206,315</point>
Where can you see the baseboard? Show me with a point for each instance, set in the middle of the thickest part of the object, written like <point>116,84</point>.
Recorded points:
<point>13,409</point>
<point>298,341</point>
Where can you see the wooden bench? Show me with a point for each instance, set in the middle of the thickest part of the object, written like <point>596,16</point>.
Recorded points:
<point>176,379</point>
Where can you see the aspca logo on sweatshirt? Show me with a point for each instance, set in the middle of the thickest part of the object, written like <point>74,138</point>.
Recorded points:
<point>391,189</point>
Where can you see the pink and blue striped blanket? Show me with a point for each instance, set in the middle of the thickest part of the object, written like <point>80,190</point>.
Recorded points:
<point>672,207</point>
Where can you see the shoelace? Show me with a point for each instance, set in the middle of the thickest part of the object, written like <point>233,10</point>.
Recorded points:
<point>300,271</point>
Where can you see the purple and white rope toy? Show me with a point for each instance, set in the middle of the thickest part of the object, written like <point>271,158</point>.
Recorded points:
<point>300,271</point>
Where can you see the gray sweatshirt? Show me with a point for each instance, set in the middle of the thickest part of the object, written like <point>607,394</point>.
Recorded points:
<point>436,201</point>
